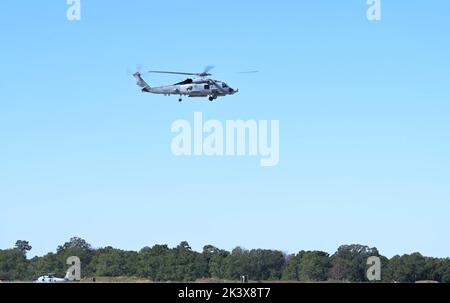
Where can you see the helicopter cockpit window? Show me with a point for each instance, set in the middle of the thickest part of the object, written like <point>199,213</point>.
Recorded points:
<point>224,85</point>
<point>206,86</point>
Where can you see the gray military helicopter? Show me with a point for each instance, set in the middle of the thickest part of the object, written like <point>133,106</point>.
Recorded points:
<point>202,86</point>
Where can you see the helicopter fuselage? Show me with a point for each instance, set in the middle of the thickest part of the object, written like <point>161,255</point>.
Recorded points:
<point>194,90</point>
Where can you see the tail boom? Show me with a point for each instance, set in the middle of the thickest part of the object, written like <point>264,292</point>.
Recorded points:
<point>141,82</point>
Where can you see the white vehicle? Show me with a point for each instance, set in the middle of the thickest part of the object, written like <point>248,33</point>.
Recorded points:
<point>50,278</point>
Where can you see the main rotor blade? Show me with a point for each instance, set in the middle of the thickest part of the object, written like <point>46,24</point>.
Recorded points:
<point>249,72</point>
<point>208,69</point>
<point>172,73</point>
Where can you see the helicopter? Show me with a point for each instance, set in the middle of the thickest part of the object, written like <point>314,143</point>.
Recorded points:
<point>50,278</point>
<point>201,86</point>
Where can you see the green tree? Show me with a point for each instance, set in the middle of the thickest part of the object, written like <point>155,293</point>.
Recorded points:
<point>350,262</point>
<point>50,263</point>
<point>160,263</point>
<point>79,248</point>
<point>444,270</point>
<point>432,269</point>
<point>314,266</point>
<point>154,263</point>
<point>407,268</point>
<point>237,264</point>
<point>216,264</point>
<point>181,263</point>
<point>23,246</point>
<point>307,266</point>
<point>13,265</point>
<point>340,269</point>
<point>266,264</point>
<point>189,265</point>
<point>111,262</point>
<point>291,269</point>
<point>76,243</point>
<point>208,253</point>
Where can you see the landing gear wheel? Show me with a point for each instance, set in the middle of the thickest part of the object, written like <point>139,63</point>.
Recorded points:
<point>179,100</point>
<point>211,99</point>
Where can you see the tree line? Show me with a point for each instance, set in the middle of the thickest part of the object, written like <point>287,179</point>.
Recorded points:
<point>182,264</point>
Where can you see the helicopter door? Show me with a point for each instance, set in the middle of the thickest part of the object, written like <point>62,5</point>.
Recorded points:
<point>196,88</point>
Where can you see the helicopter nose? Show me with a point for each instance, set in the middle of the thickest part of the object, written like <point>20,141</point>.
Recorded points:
<point>232,91</point>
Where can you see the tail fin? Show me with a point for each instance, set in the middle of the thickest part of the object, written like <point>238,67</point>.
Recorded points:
<point>141,83</point>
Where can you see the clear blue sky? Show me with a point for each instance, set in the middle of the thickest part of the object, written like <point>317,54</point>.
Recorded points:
<point>363,109</point>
